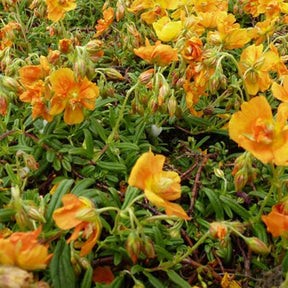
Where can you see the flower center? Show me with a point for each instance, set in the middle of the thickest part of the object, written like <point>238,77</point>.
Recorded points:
<point>263,131</point>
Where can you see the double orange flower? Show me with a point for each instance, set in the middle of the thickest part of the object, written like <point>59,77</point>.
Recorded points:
<point>255,130</point>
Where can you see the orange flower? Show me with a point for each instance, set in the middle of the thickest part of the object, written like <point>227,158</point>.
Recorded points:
<point>255,66</point>
<point>192,50</point>
<point>32,77</point>
<point>229,34</point>
<point>255,130</point>
<point>277,220</point>
<point>56,8</point>
<point>79,213</point>
<point>160,54</point>
<point>23,250</point>
<point>104,24</point>
<point>160,187</point>
<point>71,96</point>
<point>210,5</point>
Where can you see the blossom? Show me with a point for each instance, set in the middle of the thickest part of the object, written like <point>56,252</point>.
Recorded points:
<point>167,30</point>
<point>160,187</point>
<point>255,66</point>
<point>159,53</point>
<point>22,249</point>
<point>255,130</point>
<point>277,220</point>
<point>192,50</point>
<point>79,213</point>
<point>56,8</point>
<point>32,77</point>
<point>281,91</point>
<point>228,34</point>
<point>71,95</point>
<point>104,24</point>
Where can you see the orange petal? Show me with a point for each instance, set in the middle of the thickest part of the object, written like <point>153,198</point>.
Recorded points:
<point>73,115</point>
<point>148,164</point>
<point>103,275</point>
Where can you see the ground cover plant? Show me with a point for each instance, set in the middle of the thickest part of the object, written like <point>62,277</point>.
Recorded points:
<point>143,143</point>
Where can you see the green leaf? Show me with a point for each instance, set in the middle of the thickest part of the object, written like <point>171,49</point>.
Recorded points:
<point>81,185</point>
<point>260,231</point>
<point>87,279</point>
<point>154,281</point>
<point>50,155</point>
<point>237,208</point>
<point>130,194</point>
<point>111,166</point>
<point>89,142</point>
<point>11,174</point>
<point>61,269</point>
<point>215,203</point>
<point>177,279</point>
<point>56,201</point>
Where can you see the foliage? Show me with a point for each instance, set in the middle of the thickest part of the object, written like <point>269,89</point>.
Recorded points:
<point>143,143</point>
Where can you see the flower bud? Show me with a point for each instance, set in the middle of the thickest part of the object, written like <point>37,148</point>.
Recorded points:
<point>218,230</point>
<point>30,162</point>
<point>146,76</point>
<point>3,106</point>
<point>80,67</point>
<point>148,247</point>
<point>35,214</point>
<point>113,74</point>
<point>240,180</point>
<point>257,246</point>
<point>53,56</point>
<point>133,246</point>
<point>94,46</point>
<point>10,83</point>
<point>87,214</point>
<point>172,105</point>
<point>65,46</point>
<point>14,277</point>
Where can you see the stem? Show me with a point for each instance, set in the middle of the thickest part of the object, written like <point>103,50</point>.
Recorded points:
<point>274,184</point>
<point>190,250</point>
<point>121,114</point>
<point>239,71</point>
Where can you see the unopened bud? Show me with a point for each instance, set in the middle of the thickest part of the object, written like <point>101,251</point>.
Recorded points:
<point>148,247</point>
<point>87,214</point>
<point>53,56</point>
<point>65,46</point>
<point>120,10</point>
<point>257,246</point>
<point>30,162</point>
<point>146,76</point>
<point>3,106</point>
<point>94,46</point>
<point>219,173</point>
<point>218,230</point>
<point>80,67</point>
<point>10,83</point>
<point>133,246</point>
<point>35,214</point>
<point>14,277</point>
<point>113,74</point>
<point>172,105</point>
<point>240,179</point>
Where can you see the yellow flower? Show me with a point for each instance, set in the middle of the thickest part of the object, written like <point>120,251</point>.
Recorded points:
<point>255,130</point>
<point>167,30</point>
<point>56,8</point>
<point>22,249</point>
<point>160,187</point>
<point>71,95</point>
<point>79,213</point>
